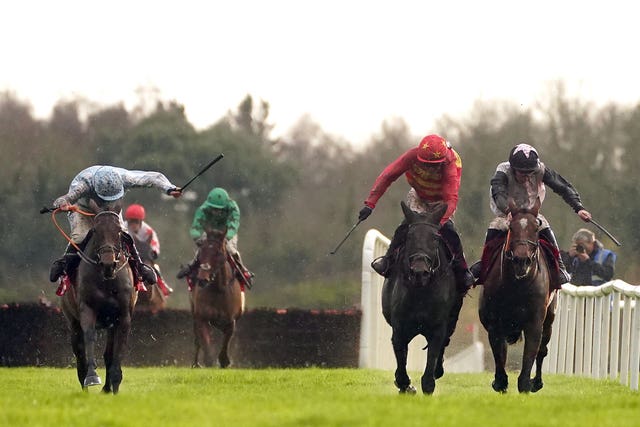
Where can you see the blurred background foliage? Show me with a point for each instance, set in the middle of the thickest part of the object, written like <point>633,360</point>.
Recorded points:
<point>299,193</point>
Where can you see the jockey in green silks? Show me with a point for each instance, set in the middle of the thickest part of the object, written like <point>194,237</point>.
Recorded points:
<point>218,212</point>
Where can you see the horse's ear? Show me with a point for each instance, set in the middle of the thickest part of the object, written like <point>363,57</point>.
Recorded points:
<point>408,213</point>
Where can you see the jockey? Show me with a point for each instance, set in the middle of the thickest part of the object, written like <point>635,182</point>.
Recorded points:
<point>218,212</point>
<point>433,169</point>
<point>103,187</point>
<point>523,179</point>
<point>146,240</point>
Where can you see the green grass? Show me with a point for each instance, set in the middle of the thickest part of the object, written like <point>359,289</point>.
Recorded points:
<point>153,397</point>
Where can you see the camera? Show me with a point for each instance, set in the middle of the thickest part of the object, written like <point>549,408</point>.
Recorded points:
<point>580,249</point>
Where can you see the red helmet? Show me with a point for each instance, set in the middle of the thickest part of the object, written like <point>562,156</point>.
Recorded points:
<point>135,211</point>
<point>433,149</point>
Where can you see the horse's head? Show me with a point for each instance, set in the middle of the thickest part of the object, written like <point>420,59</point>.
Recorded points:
<point>422,257</point>
<point>522,241</point>
<point>212,254</point>
<point>107,242</point>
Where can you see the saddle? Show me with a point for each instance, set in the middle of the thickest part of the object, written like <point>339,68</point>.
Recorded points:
<point>491,254</point>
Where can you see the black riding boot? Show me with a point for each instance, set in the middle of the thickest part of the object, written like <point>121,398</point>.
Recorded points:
<point>65,264</point>
<point>142,270</point>
<point>382,265</point>
<point>244,271</point>
<point>464,278</point>
<point>547,234</point>
<point>187,269</point>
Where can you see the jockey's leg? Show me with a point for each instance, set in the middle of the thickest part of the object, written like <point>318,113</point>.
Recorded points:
<point>497,228</point>
<point>464,278</point>
<point>164,288</point>
<point>141,270</point>
<point>382,265</point>
<point>547,234</point>
<point>64,264</point>
<point>232,248</point>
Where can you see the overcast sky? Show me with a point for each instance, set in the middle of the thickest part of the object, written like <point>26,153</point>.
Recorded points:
<point>349,64</point>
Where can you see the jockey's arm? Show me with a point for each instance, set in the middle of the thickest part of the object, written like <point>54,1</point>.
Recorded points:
<point>562,187</point>
<point>146,179</point>
<point>499,191</point>
<point>389,175</point>
<point>233,223</point>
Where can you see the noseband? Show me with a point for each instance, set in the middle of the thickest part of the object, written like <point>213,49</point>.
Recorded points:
<point>528,262</point>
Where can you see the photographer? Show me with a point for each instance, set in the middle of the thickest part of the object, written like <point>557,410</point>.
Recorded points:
<point>590,264</point>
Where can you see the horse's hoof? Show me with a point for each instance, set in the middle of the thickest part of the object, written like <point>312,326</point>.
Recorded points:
<point>196,365</point>
<point>524,386</point>
<point>536,385</point>
<point>92,380</point>
<point>500,388</point>
<point>439,372</point>
<point>408,389</point>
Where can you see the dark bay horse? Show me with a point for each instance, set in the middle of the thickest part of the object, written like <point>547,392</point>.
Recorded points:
<point>420,297</point>
<point>216,298</point>
<point>102,295</point>
<point>516,299</point>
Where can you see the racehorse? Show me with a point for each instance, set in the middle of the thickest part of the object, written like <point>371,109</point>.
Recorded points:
<point>420,296</point>
<point>102,295</point>
<point>216,298</point>
<point>516,299</point>
<point>153,300</point>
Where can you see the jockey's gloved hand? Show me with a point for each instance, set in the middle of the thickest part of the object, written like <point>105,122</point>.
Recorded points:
<point>364,213</point>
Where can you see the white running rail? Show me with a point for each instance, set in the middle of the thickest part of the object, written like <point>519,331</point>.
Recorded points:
<point>596,332</point>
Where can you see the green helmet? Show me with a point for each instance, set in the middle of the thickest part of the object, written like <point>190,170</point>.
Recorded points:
<point>218,198</point>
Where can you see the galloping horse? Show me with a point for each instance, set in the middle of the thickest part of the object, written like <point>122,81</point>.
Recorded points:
<point>420,296</point>
<point>153,300</point>
<point>216,298</point>
<point>516,298</point>
<point>102,296</point>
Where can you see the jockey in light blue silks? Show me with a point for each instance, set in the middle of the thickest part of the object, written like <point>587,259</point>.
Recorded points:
<point>105,186</point>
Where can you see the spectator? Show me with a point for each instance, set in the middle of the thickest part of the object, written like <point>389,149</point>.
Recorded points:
<point>590,264</point>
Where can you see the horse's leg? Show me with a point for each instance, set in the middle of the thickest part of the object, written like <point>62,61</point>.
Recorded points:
<point>401,348</point>
<point>532,339</point>
<point>203,330</point>
<point>544,349</point>
<point>108,361</point>
<point>223,356</point>
<point>120,337</point>
<point>451,327</point>
<point>435,350</point>
<point>499,350</point>
<point>88,323</point>
<point>77,344</point>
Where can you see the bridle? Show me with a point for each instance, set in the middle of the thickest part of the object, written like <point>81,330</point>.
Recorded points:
<point>433,263</point>
<point>529,261</point>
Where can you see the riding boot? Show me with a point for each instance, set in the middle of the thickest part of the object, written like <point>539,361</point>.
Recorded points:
<point>248,276</point>
<point>464,278</point>
<point>382,265</point>
<point>65,264</point>
<point>187,269</point>
<point>141,270</point>
<point>563,276</point>
<point>164,287</point>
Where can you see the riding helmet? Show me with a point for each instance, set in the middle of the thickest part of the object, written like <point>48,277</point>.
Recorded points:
<point>107,184</point>
<point>524,157</point>
<point>218,198</point>
<point>433,149</point>
<point>135,211</point>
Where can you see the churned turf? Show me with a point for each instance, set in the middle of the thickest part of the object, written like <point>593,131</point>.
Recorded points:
<point>151,397</point>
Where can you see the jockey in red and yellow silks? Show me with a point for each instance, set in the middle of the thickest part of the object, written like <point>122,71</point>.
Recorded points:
<point>433,169</point>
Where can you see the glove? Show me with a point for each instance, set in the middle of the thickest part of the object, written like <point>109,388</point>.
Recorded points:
<point>364,213</point>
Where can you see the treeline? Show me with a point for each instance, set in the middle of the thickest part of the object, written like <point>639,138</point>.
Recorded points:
<point>299,193</point>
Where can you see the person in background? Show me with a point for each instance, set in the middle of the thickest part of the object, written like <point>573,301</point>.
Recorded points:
<point>146,241</point>
<point>589,263</point>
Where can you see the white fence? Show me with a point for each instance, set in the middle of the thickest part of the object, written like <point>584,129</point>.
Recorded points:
<point>375,334</point>
<point>596,332</point>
